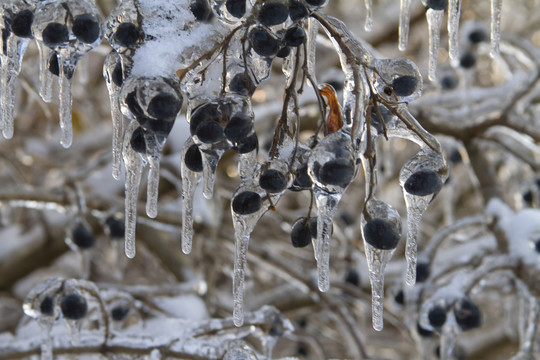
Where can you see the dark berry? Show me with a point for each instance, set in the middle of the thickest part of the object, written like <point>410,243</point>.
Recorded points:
<point>437,316</point>
<point>273,13</point>
<point>376,119</point>
<point>236,8</point>
<point>239,127</point>
<point>137,141</point>
<point>118,75</point>
<point>477,36</point>
<point>313,227</point>
<point>133,104</point>
<point>209,132</point>
<point>5,35</point>
<point>55,34</point>
<point>273,181</point>
<point>86,28</point>
<point>467,61</point>
<point>455,157</point>
<point>352,277</point>
<point>54,67</point>
<point>127,34</point>
<point>422,272</point>
<point>302,179</point>
<point>193,159</point>
<point>404,85</point>
<point>423,332</point>
<point>297,10</point>
<point>47,306</point>
<point>246,203</point>
<point>300,233</point>
<point>294,36</point>
<point>437,4</point>
<point>248,144</point>
<point>423,182</point>
<point>263,42</point>
<point>119,313</point>
<point>467,315</point>
<point>315,2</point>
<point>164,106</point>
<point>74,307</point>
<point>117,227</point>
<point>528,197</point>
<point>83,237</point>
<point>204,113</point>
<point>381,234</point>
<point>537,246</point>
<point>283,52</point>
<point>242,84</point>
<point>347,218</point>
<point>449,82</point>
<point>337,172</point>
<point>201,10</point>
<point>160,127</point>
<point>302,350</point>
<point>22,23</point>
<point>400,297</point>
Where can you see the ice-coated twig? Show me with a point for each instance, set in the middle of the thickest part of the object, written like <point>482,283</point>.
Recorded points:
<point>434,19</point>
<point>404,20</point>
<point>454,13</point>
<point>496,12</point>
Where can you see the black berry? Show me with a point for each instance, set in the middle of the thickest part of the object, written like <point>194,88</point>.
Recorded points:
<point>201,10</point>
<point>83,237</point>
<point>302,179</point>
<point>47,306</point>
<point>315,2</point>
<point>193,159</point>
<point>467,61</point>
<point>127,34</point>
<point>116,227</point>
<point>477,36</point>
<point>137,141</point>
<point>313,227</point>
<point>449,82</point>
<point>404,85</point>
<point>283,52</point>
<point>242,84</point>
<point>297,10</point>
<point>133,104</point>
<point>455,157</point>
<point>236,8</point>
<point>273,181</point>
<point>263,42</point>
<point>204,113</point>
<point>55,34</point>
<point>537,245</point>
<point>437,316</point>
<point>248,144</point>
<point>381,234</point>
<point>164,106</point>
<point>423,332</point>
<point>337,172</point>
<point>86,28</point>
<point>119,313</point>
<point>300,233</point>
<point>352,277</point>
<point>239,127</point>
<point>118,75</point>
<point>246,203</point>
<point>422,272</point>
<point>423,182</point>
<point>273,13</point>
<point>400,297</point>
<point>74,307</point>
<point>21,24</point>
<point>54,67</point>
<point>209,132</point>
<point>294,36</point>
<point>467,315</point>
<point>437,4</point>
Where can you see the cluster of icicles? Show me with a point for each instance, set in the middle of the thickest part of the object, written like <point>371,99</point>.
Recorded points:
<point>144,111</point>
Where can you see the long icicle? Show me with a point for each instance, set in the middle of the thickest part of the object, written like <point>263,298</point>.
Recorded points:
<point>368,26</point>
<point>404,20</point>
<point>434,18</point>
<point>496,10</point>
<point>454,13</point>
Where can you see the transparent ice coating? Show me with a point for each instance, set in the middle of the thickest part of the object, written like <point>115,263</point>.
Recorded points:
<point>127,12</point>
<point>377,259</point>
<point>11,55</point>
<point>404,20</point>
<point>434,18</point>
<point>58,19</point>
<point>454,13</point>
<point>45,76</point>
<point>190,179</point>
<point>429,163</point>
<point>388,71</point>
<point>368,26</point>
<point>223,15</point>
<point>496,12</point>
<point>333,155</point>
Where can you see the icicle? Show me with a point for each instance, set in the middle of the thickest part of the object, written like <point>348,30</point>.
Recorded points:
<point>109,68</point>
<point>368,26</point>
<point>210,162</point>
<point>247,164</point>
<point>190,179</point>
<point>74,327</point>
<point>45,326</point>
<point>496,11</point>
<point>454,12</point>
<point>67,68</point>
<point>449,334</point>
<point>153,148</point>
<point>404,20</point>
<point>45,76</point>
<point>240,261</point>
<point>134,167</point>
<point>326,210</point>
<point>434,18</point>
<point>377,260</point>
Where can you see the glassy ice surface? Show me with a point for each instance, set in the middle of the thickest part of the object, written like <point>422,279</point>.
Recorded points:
<point>454,13</point>
<point>434,18</point>
<point>190,180</point>
<point>496,10</point>
<point>45,76</point>
<point>404,20</point>
<point>368,26</point>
